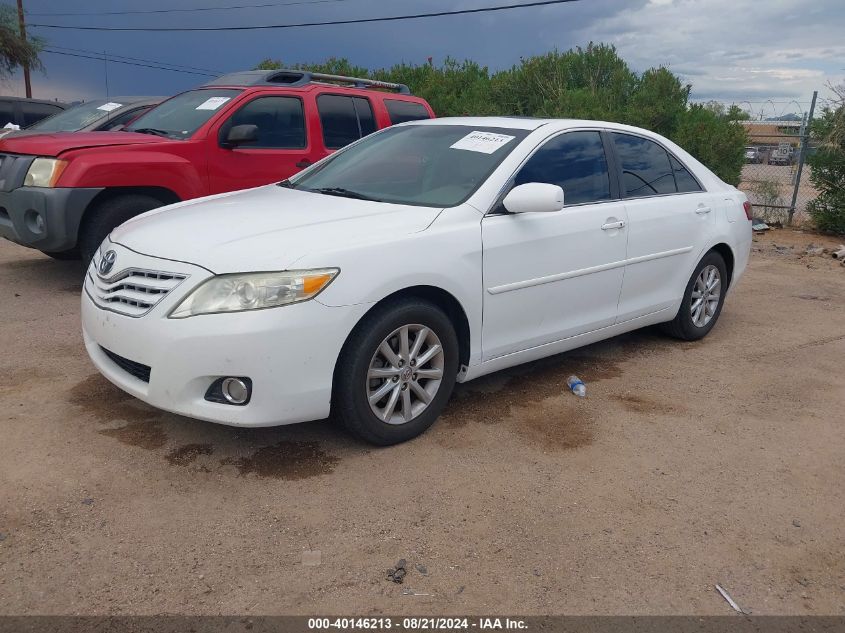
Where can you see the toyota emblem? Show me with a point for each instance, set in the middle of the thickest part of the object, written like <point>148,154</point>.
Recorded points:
<point>107,262</point>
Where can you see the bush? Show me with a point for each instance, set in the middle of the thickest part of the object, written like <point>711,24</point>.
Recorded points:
<point>828,167</point>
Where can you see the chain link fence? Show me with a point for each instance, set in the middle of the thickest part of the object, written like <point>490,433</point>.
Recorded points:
<point>775,176</point>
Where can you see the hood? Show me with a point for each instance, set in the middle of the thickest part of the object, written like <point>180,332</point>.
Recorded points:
<point>55,143</point>
<point>268,228</point>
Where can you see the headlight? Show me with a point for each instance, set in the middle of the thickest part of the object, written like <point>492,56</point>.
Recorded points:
<point>44,172</point>
<point>254,291</point>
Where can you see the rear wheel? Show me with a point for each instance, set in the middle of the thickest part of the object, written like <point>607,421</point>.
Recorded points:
<point>102,219</point>
<point>396,372</point>
<point>703,300</point>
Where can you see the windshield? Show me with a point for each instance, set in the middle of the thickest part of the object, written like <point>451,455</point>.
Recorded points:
<point>426,165</point>
<point>77,117</point>
<point>182,115</point>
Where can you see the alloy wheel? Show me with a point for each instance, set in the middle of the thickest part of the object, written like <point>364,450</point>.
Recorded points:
<point>706,293</point>
<point>405,374</point>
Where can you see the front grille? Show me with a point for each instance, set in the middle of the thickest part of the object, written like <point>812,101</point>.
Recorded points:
<point>139,370</point>
<point>133,291</point>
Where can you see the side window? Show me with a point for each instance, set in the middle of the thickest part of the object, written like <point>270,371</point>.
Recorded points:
<point>575,161</point>
<point>339,120</point>
<point>34,112</point>
<point>364,110</point>
<point>683,178</point>
<point>401,111</point>
<point>645,166</point>
<point>280,122</point>
<point>7,113</point>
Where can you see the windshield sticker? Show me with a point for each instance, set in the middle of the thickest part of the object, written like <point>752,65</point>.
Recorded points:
<point>213,103</point>
<point>484,142</point>
<point>108,107</point>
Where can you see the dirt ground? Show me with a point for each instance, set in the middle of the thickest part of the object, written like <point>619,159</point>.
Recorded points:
<point>686,465</point>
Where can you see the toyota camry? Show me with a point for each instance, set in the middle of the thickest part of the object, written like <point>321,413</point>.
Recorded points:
<point>424,254</point>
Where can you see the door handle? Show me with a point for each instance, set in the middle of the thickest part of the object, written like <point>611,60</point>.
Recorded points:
<point>703,210</point>
<point>613,225</point>
<point>304,163</point>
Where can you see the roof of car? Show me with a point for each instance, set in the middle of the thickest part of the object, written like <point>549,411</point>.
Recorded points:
<point>295,78</point>
<point>61,104</point>
<point>529,123</point>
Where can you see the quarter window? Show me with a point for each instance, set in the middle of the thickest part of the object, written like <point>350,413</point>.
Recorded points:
<point>576,162</point>
<point>401,111</point>
<point>683,178</point>
<point>645,166</point>
<point>280,122</point>
<point>344,119</point>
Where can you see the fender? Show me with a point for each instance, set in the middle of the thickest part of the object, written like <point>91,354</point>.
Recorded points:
<point>135,166</point>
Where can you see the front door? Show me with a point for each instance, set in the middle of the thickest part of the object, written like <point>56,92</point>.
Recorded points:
<point>283,148</point>
<point>549,276</point>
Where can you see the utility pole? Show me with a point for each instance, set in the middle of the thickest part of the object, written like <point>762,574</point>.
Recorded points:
<point>22,26</point>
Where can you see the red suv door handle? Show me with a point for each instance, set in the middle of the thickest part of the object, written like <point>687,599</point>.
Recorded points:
<point>304,163</point>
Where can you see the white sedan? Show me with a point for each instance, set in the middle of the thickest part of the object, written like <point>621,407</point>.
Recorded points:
<point>426,253</point>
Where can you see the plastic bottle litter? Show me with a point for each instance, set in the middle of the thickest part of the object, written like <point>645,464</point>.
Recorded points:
<point>576,386</point>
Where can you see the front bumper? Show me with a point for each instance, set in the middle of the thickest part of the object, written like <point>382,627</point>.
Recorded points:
<point>44,218</point>
<point>289,353</point>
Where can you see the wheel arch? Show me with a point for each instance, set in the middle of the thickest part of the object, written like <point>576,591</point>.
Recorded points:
<point>165,195</point>
<point>443,299</point>
<point>728,255</point>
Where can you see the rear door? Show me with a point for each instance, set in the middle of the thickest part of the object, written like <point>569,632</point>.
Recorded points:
<point>344,119</point>
<point>283,148</point>
<point>549,276</point>
<point>670,218</point>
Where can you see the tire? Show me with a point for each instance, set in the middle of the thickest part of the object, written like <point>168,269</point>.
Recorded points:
<point>363,351</point>
<point>69,255</point>
<point>685,326</point>
<point>102,219</point>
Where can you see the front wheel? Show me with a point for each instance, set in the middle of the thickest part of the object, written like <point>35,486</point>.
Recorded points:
<point>101,220</point>
<point>396,372</point>
<point>703,300</point>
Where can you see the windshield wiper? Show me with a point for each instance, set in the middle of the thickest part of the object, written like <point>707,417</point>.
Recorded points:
<point>286,183</point>
<point>152,130</point>
<point>344,193</point>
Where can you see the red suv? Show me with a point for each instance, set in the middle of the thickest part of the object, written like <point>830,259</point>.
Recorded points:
<point>63,193</point>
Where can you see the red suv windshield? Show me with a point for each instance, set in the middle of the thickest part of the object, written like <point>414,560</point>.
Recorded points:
<point>181,116</point>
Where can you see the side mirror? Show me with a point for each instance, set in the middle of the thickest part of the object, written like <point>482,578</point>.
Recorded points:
<point>534,197</point>
<point>241,135</point>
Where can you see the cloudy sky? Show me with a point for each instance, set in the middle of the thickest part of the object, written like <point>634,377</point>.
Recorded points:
<point>765,54</point>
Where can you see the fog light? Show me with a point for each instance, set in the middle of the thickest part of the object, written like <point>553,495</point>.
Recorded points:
<point>230,390</point>
<point>235,390</point>
<point>34,222</point>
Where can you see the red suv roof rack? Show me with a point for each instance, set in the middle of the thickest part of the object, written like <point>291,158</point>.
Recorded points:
<point>295,78</point>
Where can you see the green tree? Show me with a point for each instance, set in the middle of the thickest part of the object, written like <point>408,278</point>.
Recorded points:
<point>714,140</point>
<point>592,82</point>
<point>659,101</point>
<point>14,50</point>
<point>827,166</point>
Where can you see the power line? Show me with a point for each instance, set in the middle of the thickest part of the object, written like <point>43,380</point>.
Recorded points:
<point>117,61</point>
<point>395,18</point>
<point>112,56</point>
<point>195,9</point>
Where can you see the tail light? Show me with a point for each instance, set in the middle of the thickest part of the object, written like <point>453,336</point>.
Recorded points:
<point>747,206</point>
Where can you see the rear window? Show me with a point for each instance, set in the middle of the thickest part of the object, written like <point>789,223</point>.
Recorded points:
<point>34,112</point>
<point>401,111</point>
